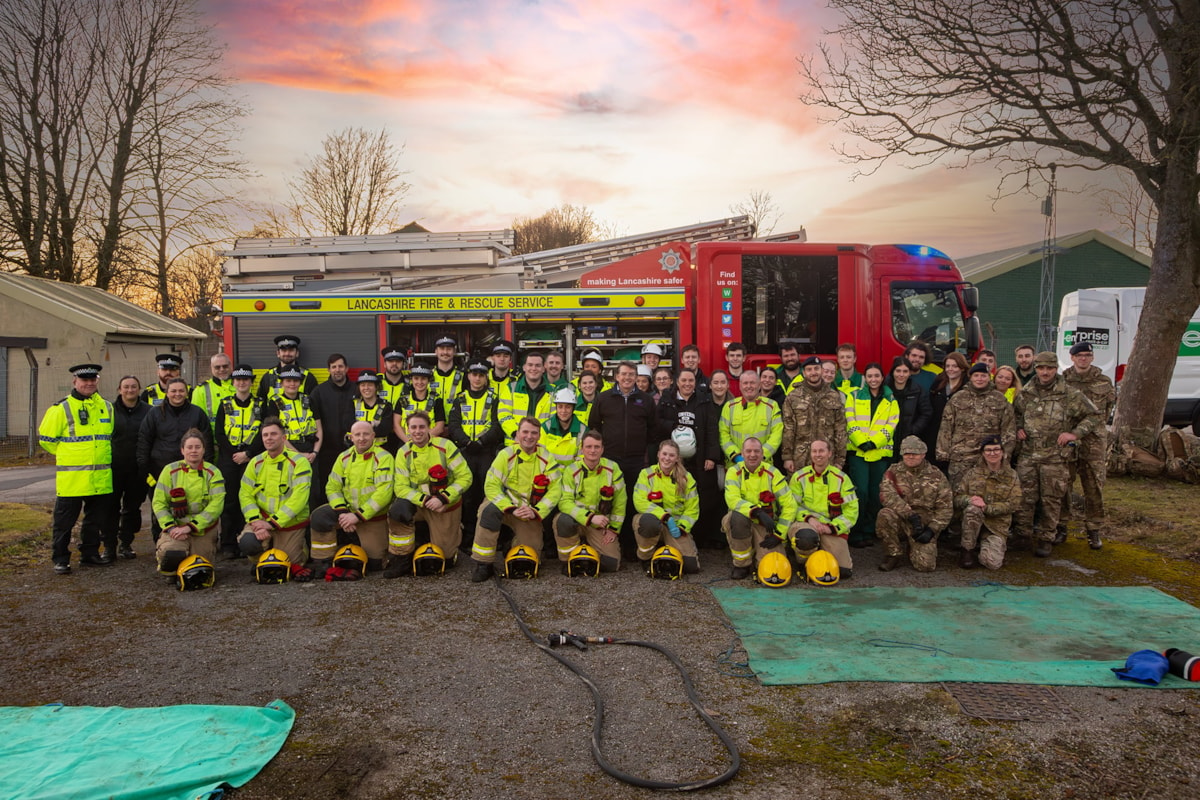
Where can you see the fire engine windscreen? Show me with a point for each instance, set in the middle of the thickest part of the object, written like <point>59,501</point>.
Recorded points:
<point>930,313</point>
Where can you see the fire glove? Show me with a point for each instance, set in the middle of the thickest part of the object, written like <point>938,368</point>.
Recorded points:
<point>926,536</point>
<point>771,541</point>
<point>764,518</point>
<point>917,525</point>
<point>673,527</point>
<point>301,573</point>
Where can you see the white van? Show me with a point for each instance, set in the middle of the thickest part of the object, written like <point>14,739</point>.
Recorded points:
<point>1107,318</point>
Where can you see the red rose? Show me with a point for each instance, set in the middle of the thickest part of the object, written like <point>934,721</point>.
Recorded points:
<point>437,473</point>
<point>606,503</point>
<point>179,502</point>
<point>835,498</point>
<point>607,491</point>
<point>654,497</point>
<point>766,498</point>
<point>541,481</point>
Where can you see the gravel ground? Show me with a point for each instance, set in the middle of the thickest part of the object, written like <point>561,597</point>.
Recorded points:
<point>426,688</point>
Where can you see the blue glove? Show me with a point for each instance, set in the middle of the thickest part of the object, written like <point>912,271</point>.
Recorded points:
<point>738,459</point>
<point>673,527</point>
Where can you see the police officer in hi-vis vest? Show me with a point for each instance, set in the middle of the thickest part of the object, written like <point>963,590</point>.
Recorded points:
<point>475,430</point>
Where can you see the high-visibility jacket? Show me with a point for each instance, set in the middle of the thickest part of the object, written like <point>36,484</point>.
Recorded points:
<point>413,481</point>
<point>391,392</point>
<point>296,414</point>
<point>204,489</point>
<point>583,410</point>
<point>511,479</point>
<point>563,443</point>
<point>241,421</point>
<point>379,416</point>
<point>604,386</point>
<point>685,507</point>
<point>209,395</point>
<point>786,383</point>
<point>581,496</point>
<point>270,381</point>
<point>741,418</point>
<point>474,417</point>
<point>848,386</point>
<point>745,488</point>
<point>517,401</point>
<point>878,428</point>
<point>276,488</point>
<point>446,385</point>
<point>361,483</point>
<point>78,431</point>
<point>508,380</point>
<point>812,493</point>
<point>155,394</point>
<point>431,405</point>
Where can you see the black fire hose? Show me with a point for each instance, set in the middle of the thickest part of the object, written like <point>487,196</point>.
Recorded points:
<point>581,642</point>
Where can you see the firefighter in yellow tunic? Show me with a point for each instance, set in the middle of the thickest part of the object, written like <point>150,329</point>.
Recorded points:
<point>274,495</point>
<point>592,505</point>
<point>760,509</point>
<point>750,415</point>
<point>431,477</point>
<point>667,506</point>
<point>827,506</point>
<point>188,500</point>
<point>527,396</point>
<point>521,490</point>
<point>77,430</point>
<point>359,493</point>
<point>562,433</point>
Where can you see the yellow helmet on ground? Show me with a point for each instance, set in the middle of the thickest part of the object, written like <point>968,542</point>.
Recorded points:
<point>583,560</point>
<point>351,557</point>
<point>774,570</point>
<point>521,562</point>
<point>822,569</point>
<point>429,560</point>
<point>195,572</point>
<point>273,566</point>
<point>666,563</point>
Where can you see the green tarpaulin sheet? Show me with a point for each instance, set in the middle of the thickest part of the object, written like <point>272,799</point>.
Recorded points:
<point>171,753</point>
<point>1056,635</point>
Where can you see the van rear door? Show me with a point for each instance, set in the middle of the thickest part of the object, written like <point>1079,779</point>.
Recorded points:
<point>1093,316</point>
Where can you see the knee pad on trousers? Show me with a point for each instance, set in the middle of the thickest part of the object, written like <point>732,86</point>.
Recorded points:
<point>609,564</point>
<point>324,519</point>
<point>739,526</point>
<point>402,511</point>
<point>249,544</point>
<point>649,526</point>
<point>691,565</point>
<point>491,518</point>
<point>171,559</point>
<point>565,526</point>
<point>807,541</point>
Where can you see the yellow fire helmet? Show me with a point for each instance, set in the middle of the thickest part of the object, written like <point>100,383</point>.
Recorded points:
<point>822,569</point>
<point>195,572</point>
<point>583,560</point>
<point>521,562</point>
<point>273,567</point>
<point>774,570</point>
<point>429,560</point>
<point>666,563</point>
<point>351,557</point>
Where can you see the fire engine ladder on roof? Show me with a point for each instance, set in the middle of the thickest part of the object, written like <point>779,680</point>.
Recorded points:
<point>376,260</point>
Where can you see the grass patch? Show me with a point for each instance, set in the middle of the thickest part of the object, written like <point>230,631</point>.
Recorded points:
<point>1160,515</point>
<point>23,536</point>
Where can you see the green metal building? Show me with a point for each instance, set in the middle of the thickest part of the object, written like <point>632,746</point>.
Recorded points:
<point>1010,283</point>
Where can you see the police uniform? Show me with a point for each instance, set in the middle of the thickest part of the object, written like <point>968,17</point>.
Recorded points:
<point>431,404</point>
<point>379,416</point>
<point>187,496</point>
<point>392,392</point>
<point>77,430</point>
<point>296,413</point>
<point>474,427</point>
<point>270,380</point>
<point>156,393</point>
<point>446,384</point>
<point>236,431</point>
<point>588,493</point>
<point>360,484</point>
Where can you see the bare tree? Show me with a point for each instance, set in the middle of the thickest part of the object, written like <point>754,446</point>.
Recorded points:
<point>354,187</point>
<point>762,210</point>
<point>1128,206</point>
<point>558,227</point>
<point>194,283</point>
<point>1091,84</point>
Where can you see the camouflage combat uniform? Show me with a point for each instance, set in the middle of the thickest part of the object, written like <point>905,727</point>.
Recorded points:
<point>1044,413</point>
<point>1092,450</point>
<point>988,527</point>
<point>814,413</point>
<point>923,491</point>
<point>972,414</point>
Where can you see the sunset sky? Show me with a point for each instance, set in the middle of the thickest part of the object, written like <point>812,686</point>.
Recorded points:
<point>652,114</point>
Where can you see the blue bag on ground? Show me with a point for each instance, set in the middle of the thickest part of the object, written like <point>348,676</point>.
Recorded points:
<point>1144,666</point>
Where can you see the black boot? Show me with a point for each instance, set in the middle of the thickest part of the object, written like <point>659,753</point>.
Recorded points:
<point>481,572</point>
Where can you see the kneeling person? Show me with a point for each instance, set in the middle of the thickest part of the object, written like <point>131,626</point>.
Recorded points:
<point>668,506</point>
<point>274,495</point>
<point>188,500</point>
<point>521,490</point>
<point>917,506</point>
<point>359,491</point>
<point>989,493</point>
<point>431,476</point>
<point>760,509</point>
<point>827,506</point>
<point>592,505</point>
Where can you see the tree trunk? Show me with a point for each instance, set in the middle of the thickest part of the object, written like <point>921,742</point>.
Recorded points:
<point>1172,297</point>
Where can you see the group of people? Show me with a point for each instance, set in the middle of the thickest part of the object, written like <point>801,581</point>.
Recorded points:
<point>501,463</point>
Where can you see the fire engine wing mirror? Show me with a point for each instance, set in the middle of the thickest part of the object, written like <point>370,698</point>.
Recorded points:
<point>974,334</point>
<point>970,297</point>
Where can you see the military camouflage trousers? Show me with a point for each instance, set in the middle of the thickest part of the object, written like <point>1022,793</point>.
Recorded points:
<point>992,545</point>
<point>1045,483</point>
<point>1092,468</point>
<point>896,534</point>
